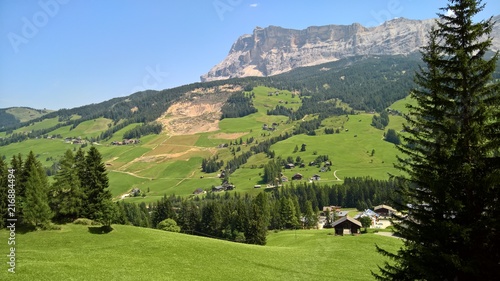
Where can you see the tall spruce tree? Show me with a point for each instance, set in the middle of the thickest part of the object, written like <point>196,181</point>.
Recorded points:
<point>66,196</point>
<point>451,157</point>
<point>36,209</point>
<point>259,220</point>
<point>94,182</point>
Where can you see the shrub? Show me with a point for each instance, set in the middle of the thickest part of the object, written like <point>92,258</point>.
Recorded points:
<point>83,221</point>
<point>50,226</point>
<point>169,225</point>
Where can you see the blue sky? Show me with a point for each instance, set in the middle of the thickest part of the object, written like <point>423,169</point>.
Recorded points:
<point>66,53</point>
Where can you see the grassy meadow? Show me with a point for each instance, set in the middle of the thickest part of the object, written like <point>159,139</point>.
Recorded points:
<point>24,114</point>
<point>77,252</point>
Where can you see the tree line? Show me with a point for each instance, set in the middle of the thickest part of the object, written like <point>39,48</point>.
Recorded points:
<point>238,105</point>
<point>80,189</point>
<point>246,219</point>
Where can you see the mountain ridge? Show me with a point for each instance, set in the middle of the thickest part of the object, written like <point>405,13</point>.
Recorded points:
<point>274,50</point>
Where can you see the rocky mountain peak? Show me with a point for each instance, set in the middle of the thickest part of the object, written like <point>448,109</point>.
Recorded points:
<point>274,50</point>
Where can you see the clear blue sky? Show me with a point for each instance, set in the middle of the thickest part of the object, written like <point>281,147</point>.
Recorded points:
<point>67,53</point>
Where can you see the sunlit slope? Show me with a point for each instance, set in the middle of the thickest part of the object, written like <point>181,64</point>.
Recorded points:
<point>132,253</point>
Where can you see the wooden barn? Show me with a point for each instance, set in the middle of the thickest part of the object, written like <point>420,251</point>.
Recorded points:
<point>384,210</point>
<point>346,225</point>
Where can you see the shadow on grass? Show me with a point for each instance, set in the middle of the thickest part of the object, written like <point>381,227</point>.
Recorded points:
<point>100,229</point>
<point>23,229</point>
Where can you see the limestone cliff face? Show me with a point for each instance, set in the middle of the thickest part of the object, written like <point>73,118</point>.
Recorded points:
<point>274,50</point>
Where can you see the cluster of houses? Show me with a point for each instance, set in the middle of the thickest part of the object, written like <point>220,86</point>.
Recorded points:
<point>347,225</point>
<point>77,140</point>
<point>273,126</point>
<point>299,176</point>
<point>126,141</point>
<point>224,187</point>
<point>220,188</point>
<point>312,163</point>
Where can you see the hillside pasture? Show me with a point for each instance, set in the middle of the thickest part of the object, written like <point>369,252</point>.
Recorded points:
<point>349,151</point>
<point>400,105</point>
<point>44,124</point>
<point>24,114</point>
<point>43,148</point>
<point>77,252</point>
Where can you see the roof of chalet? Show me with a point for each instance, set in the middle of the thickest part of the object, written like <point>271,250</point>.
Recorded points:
<point>384,207</point>
<point>346,218</point>
<point>198,190</point>
<point>366,213</point>
<point>342,213</point>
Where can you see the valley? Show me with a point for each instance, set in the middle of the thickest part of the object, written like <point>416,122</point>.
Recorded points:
<point>169,163</point>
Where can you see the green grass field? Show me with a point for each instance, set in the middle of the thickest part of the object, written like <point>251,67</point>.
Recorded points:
<point>24,114</point>
<point>44,124</point>
<point>400,105</point>
<point>132,253</point>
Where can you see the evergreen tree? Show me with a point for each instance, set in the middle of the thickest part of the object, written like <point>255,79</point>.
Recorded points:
<point>163,210</point>
<point>107,213</point>
<point>36,209</point>
<point>310,217</point>
<point>145,220</point>
<point>392,137</point>
<point>80,163</point>
<point>3,192</point>
<point>211,219</point>
<point>67,198</point>
<point>451,159</point>
<point>94,181</point>
<point>189,217</point>
<point>241,218</point>
<point>288,213</point>
<point>259,220</point>
<point>272,172</point>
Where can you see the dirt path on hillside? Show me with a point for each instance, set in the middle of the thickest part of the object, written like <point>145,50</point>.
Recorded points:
<point>335,175</point>
<point>190,176</point>
<point>131,174</point>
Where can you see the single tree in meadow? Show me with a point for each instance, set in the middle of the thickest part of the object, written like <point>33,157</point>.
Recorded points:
<point>451,159</point>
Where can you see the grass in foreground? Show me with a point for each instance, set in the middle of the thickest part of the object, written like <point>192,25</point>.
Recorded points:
<point>130,253</point>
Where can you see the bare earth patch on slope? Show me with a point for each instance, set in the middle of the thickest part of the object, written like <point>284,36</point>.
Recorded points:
<point>198,112</point>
